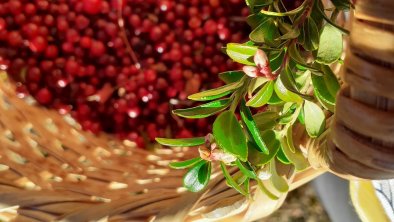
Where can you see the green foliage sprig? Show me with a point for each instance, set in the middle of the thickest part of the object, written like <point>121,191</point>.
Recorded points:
<point>286,80</point>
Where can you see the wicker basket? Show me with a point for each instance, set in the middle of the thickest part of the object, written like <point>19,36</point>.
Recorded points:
<point>363,130</point>
<point>52,171</point>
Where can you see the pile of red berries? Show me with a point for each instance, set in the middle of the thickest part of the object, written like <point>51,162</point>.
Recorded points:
<point>120,66</point>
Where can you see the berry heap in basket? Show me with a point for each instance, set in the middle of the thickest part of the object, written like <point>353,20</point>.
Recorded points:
<point>120,66</point>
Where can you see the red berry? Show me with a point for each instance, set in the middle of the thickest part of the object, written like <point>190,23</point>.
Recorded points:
<point>38,44</point>
<point>51,52</point>
<point>44,96</point>
<point>97,48</point>
<point>92,7</point>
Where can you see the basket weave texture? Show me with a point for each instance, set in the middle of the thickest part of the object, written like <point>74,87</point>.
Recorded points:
<point>362,144</point>
<point>52,171</point>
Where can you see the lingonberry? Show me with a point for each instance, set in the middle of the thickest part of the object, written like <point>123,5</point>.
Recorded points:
<point>79,62</point>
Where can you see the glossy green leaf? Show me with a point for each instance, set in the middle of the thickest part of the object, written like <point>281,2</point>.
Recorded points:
<point>215,93</point>
<point>230,181</point>
<point>247,118</point>
<point>328,20</point>
<point>285,94</point>
<point>301,117</point>
<point>309,37</point>
<point>322,93</point>
<point>246,169</point>
<point>276,59</point>
<point>288,81</point>
<point>288,13</point>
<point>296,157</point>
<point>326,88</point>
<point>203,110</point>
<point>181,142</point>
<point>330,80</point>
<point>239,178</point>
<point>273,146</point>
<point>241,53</point>
<point>314,119</point>
<point>289,32</point>
<point>262,96</point>
<point>255,83</point>
<point>266,191</point>
<point>266,120</point>
<point>230,136</point>
<point>231,76</point>
<point>331,45</point>
<point>266,33</point>
<point>197,178</point>
<point>277,181</point>
<point>289,136</point>
<point>185,164</point>
<point>256,19</point>
<point>295,55</point>
<point>275,100</point>
<point>282,157</point>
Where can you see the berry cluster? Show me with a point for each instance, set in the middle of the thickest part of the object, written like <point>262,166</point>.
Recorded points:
<point>120,65</point>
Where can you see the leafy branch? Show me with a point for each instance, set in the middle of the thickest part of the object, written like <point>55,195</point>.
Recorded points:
<point>286,80</point>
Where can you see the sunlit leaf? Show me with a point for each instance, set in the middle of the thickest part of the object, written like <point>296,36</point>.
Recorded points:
<point>197,178</point>
<point>203,110</point>
<point>230,136</point>
<point>215,93</point>
<point>183,142</point>
<point>185,164</point>
<point>331,46</point>
<point>314,119</point>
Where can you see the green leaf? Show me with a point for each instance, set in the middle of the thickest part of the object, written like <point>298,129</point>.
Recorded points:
<point>262,96</point>
<point>185,164</point>
<point>266,120</point>
<point>266,191</point>
<point>301,117</point>
<point>247,118</point>
<point>246,169</point>
<point>275,100</point>
<point>285,94</point>
<point>296,157</point>
<point>273,145</point>
<point>314,119</point>
<point>241,53</point>
<point>231,76</point>
<point>309,37</point>
<point>256,19</point>
<point>326,88</point>
<point>289,136</point>
<point>276,59</point>
<point>328,20</point>
<point>289,32</point>
<point>331,47</point>
<point>230,136</point>
<point>282,157</point>
<point>288,13</point>
<point>277,181</point>
<point>255,83</point>
<point>231,181</point>
<point>295,55</point>
<point>181,142</point>
<point>266,33</point>
<point>288,81</point>
<point>331,80</point>
<point>203,110</point>
<point>322,94</point>
<point>215,93</point>
<point>197,178</point>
